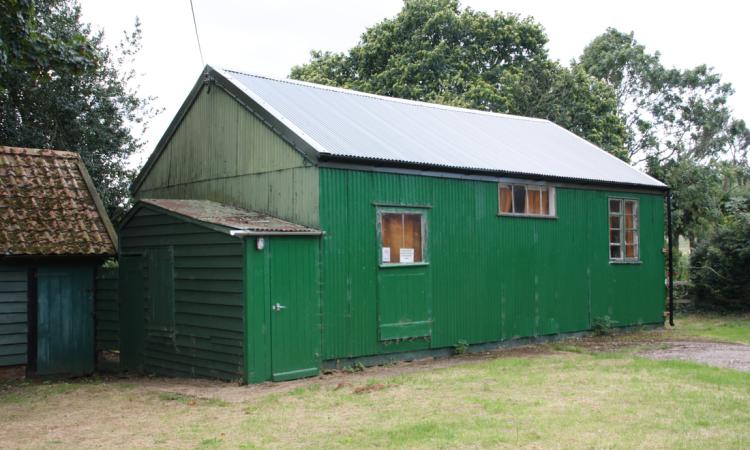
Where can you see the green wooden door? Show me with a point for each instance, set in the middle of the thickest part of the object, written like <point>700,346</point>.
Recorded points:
<point>295,309</point>
<point>65,320</point>
<point>131,293</point>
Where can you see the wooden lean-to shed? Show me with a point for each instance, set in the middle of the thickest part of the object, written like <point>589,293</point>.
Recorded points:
<point>54,233</point>
<point>429,227</point>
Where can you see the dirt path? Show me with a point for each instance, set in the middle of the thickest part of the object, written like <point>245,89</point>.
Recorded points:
<point>717,354</point>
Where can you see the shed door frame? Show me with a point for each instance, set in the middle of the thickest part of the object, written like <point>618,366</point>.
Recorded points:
<point>260,270</point>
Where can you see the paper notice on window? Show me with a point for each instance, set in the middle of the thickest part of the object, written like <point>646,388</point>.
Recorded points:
<point>386,254</point>
<point>406,255</point>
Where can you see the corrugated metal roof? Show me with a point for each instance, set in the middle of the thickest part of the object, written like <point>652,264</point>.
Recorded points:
<point>49,207</point>
<point>228,216</point>
<point>353,124</point>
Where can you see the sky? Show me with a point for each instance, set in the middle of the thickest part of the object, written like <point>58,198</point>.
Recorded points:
<point>269,37</point>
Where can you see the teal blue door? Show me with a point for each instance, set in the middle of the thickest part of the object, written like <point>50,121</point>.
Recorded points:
<point>65,320</point>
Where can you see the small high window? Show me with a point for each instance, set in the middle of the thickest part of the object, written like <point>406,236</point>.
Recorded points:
<point>623,229</point>
<point>402,237</point>
<point>527,200</point>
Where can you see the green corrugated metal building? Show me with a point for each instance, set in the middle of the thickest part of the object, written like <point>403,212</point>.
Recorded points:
<point>285,226</point>
<point>54,233</point>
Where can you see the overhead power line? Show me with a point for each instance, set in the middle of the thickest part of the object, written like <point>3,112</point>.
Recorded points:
<point>197,37</point>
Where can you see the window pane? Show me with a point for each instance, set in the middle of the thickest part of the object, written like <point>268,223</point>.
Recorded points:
<point>614,222</point>
<point>614,236</point>
<point>519,199</point>
<point>535,201</point>
<point>629,207</point>
<point>506,199</point>
<point>413,235</point>
<point>545,202</point>
<point>631,251</point>
<point>615,251</point>
<point>392,232</point>
<point>614,206</point>
<point>629,237</point>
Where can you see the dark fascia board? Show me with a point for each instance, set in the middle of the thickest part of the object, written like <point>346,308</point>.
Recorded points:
<point>420,169</point>
<point>210,77</point>
<point>139,205</point>
<point>98,203</point>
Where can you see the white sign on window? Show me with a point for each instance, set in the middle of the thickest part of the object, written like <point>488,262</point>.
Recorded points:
<point>386,254</point>
<point>406,255</point>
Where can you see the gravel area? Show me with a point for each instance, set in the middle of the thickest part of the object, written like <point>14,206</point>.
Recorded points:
<point>717,354</point>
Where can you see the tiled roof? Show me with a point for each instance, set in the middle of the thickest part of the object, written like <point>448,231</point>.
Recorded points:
<point>229,216</point>
<point>48,206</point>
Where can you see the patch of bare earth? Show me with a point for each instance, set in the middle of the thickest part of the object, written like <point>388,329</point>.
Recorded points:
<point>717,354</point>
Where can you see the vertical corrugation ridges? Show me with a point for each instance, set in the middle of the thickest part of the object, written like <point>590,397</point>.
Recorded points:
<point>222,152</point>
<point>490,277</point>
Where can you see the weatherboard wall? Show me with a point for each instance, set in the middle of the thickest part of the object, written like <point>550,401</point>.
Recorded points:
<point>203,270</point>
<point>223,152</point>
<point>13,314</point>
<point>489,277</point>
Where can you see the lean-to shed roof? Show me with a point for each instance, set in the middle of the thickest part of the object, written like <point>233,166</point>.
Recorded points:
<point>229,217</point>
<point>48,206</point>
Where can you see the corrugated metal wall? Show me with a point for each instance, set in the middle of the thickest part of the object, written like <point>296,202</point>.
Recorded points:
<point>222,152</point>
<point>207,337</point>
<point>492,278</point>
<point>106,309</point>
<point>13,318</point>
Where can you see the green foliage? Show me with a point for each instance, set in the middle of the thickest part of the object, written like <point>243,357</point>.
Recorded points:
<point>461,347</point>
<point>602,326</point>
<point>669,112</point>
<point>435,51</point>
<point>62,88</point>
<point>720,274</point>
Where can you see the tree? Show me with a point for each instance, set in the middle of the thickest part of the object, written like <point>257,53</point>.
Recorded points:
<point>435,51</point>
<point>719,265</point>
<point>62,88</point>
<point>669,113</point>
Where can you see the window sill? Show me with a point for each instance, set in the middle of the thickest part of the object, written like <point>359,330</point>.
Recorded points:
<point>625,261</point>
<point>528,216</point>
<point>392,265</point>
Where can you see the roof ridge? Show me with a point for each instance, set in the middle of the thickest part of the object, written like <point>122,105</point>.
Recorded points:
<point>386,98</point>
<point>44,152</point>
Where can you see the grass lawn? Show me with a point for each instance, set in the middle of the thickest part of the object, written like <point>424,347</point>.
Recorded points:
<point>729,328</point>
<point>559,396</point>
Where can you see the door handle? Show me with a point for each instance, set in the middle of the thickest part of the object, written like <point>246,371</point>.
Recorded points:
<point>278,307</point>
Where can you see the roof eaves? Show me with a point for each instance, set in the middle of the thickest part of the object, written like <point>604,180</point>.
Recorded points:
<point>360,162</point>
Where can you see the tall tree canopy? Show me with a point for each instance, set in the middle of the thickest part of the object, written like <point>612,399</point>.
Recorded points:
<point>435,51</point>
<point>669,113</point>
<point>62,88</point>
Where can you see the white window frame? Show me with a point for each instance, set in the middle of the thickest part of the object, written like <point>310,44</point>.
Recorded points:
<point>621,223</point>
<point>552,194</point>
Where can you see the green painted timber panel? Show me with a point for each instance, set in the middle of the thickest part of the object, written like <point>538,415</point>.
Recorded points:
<point>283,343</point>
<point>492,277</point>
<point>65,320</point>
<point>222,152</point>
<point>107,309</point>
<point>206,338</point>
<point>13,317</point>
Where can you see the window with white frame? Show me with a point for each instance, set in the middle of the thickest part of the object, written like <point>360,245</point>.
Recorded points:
<point>526,200</point>
<point>623,229</point>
